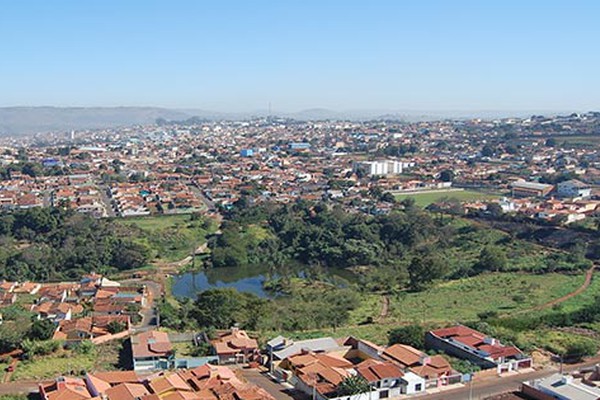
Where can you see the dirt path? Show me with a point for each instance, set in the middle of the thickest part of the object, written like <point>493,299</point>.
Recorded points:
<point>8,374</point>
<point>588,279</point>
<point>385,307</point>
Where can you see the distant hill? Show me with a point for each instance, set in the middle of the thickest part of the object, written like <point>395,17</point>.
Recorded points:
<point>31,120</point>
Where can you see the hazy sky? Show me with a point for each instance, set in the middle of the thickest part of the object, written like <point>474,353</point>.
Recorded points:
<point>297,54</point>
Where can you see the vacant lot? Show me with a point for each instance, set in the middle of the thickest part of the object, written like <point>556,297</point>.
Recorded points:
<point>425,198</point>
<point>66,362</point>
<point>170,237</point>
<point>463,299</point>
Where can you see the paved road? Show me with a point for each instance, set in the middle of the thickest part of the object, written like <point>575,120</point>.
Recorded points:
<point>279,392</point>
<point>198,192</point>
<point>149,320</point>
<point>106,200</point>
<point>491,386</point>
<point>487,387</point>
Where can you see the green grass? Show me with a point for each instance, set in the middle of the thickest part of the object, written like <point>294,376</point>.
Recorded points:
<point>554,341</point>
<point>47,367</point>
<point>3,367</point>
<point>104,358</point>
<point>157,222</point>
<point>169,237</point>
<point>575,140</point>
<point>463,299</point>
<point>426,198</point>
<point>370,307</point>
<point>583,299</point>
<point>183,349</point>
<point>376,333</point>
<point>452,302</point>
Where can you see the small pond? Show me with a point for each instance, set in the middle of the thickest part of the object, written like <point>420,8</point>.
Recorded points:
<point>244,279</point>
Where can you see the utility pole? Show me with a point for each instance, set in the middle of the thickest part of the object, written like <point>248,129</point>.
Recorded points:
<point>561,364</point>
<point>471,385</point>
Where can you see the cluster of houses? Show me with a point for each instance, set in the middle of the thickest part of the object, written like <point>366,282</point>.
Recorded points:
<point>85,310</point>
<point>168,195</point>
<point>207,382</point>
<point>281,160</point>
<point>563,203</point>
<point>319,367</point>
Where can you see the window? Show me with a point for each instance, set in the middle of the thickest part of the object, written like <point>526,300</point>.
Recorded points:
<point>384,394</point>
<point>418,387</point>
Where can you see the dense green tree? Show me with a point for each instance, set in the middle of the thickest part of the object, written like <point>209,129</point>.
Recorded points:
<point>488,151</point>
<point>423,269</point>
<point>412,335</point>
<point>221,308</point>
<point>447,175</point>
<point>42,329</point>
<point>491,258</point>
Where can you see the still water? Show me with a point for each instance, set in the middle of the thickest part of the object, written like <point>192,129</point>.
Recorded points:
<point>245,279</point>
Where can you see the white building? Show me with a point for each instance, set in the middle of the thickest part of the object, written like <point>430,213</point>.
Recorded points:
<point>382,167</point>
<point>574,189</point>
<point>563,387</point>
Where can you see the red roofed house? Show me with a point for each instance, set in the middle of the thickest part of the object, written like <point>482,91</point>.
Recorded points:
<point>235,346</point>
<point>151,350</point>
<point>65,388</point>
<point>388,378</point>
<point>487,352</point>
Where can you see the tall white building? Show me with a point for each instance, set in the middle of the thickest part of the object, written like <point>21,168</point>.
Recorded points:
<point>380,168</point>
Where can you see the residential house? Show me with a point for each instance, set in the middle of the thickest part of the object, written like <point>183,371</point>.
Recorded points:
<point>436,370</point>
<point>151,350</point>
<point>64,388</point>
<point>563,387</point>
<point>74,330</point>
<point>469,344</point>
<point>235,346</point>
<point>388,379</point>
<point>280,347</point>
<point>574,188</point>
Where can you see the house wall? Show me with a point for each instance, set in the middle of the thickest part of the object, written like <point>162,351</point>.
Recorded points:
<point>436,343</point>
<point>539,395</point>
<point>368,350</point>
<point>412,386</point>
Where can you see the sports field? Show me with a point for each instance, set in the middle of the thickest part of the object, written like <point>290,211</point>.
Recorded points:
<point>423,199</point>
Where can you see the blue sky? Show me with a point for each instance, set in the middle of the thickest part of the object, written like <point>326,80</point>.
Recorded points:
<point>342,55</point>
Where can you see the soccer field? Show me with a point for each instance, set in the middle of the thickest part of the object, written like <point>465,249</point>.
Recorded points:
<point>425,198</point>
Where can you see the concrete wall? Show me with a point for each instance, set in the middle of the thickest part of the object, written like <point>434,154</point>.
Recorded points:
<point>535,394</point>
<point>436,343</point>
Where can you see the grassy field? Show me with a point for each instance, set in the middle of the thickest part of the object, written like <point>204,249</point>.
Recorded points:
<point>426,198</point>
<point>170,237</point>
<point>3,366</point>
<point>63,362</point>
<point>463,299</point>
<point>452,302</point>
<point>47,367</point>
<point>575,140</point>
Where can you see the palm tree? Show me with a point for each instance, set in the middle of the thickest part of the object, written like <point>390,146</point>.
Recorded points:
<point>354,384</point>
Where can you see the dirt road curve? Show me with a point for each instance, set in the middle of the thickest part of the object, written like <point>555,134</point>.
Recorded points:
<point>588,279</point>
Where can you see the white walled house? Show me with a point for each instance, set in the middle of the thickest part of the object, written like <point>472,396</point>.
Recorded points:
<point>574,188</point>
